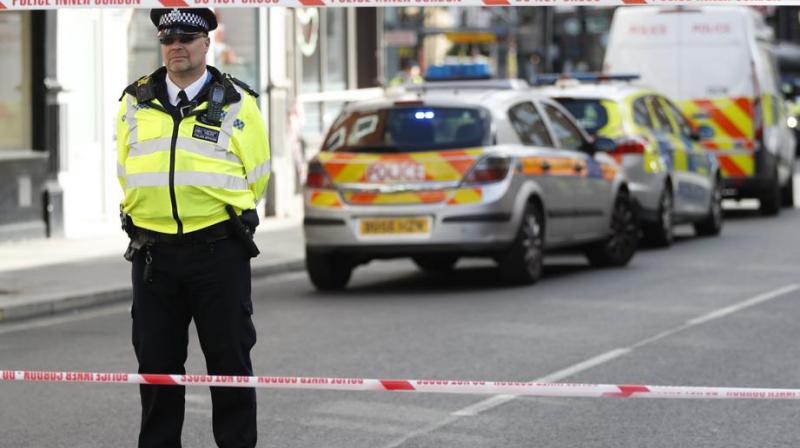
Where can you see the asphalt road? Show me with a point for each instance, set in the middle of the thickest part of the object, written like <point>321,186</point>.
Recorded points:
<point>717,311</point>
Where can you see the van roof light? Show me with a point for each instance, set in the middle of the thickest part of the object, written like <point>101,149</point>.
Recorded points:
<point>567,78</point>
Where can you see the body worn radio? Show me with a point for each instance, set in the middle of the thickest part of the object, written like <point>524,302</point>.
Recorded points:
<point>214,113</point>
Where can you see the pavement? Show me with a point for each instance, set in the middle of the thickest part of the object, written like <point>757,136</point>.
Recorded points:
<point>49,276</point>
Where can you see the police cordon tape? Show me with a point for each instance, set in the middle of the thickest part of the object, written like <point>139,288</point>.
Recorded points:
<point>533,389</point>
<point>147,4</point>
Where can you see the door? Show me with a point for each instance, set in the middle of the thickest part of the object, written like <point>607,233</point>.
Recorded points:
<point>545,165</point>
<point>591,193</point>
<point>671,150</point>
<point>692,165</point>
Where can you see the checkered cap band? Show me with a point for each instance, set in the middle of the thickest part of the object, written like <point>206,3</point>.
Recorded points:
<point>186,18</point>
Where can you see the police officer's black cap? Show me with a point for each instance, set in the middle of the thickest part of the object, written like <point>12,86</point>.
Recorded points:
<point>190,20</point>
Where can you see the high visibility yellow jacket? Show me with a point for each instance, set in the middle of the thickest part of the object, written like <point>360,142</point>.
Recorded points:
<point>402,79</point>
<point>178,173</point>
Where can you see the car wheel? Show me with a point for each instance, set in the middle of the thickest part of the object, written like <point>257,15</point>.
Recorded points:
<point>712,223</point>
<point>522,262</point>
<point>619,248</point>
<point>326,271</point>
<point>787,192</point>
<point>770,198</point>
<point>661,233</point>
<point>435,263</point>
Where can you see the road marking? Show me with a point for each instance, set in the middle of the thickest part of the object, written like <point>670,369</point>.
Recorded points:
<point>722,312</point>
<point>499,400</point>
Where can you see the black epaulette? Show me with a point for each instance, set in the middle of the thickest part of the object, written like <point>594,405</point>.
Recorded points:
<point>243,85</point>
<point>145,90</point>
<point>142,89</point>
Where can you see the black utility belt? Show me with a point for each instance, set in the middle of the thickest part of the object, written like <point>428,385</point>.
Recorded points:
<point>216,232</point>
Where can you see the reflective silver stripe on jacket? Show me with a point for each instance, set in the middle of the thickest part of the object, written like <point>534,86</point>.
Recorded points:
<point>186,178</point>
<point>120,170</point>
<point>230,116</point>
<point>259,171</point>
<point>187,144</point>
<point>130,118</point>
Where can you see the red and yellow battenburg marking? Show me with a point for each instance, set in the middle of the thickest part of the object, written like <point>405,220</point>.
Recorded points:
<point>732,120</point>
<point>397,169</point>
<point>439,166</point>
<point>463,196</point>
<point>609,171</point>
<point>348,168</point>
<point>562,166</point>
<point>547,166</point>
<point>323,199</point>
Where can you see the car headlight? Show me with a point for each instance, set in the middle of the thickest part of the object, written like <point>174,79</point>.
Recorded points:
<point>792,122</point>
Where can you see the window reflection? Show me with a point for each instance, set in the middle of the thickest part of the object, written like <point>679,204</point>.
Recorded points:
<point>235,44</point>
<point>15,87</point>
<point>144,56</point>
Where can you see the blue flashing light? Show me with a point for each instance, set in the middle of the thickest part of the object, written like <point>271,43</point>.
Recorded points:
<point>424,115</point>
<point>455,72</point>
<point>552,78</point>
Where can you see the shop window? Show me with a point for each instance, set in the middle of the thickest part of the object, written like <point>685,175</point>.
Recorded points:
<point>15,86</point>
<point>308,43</point>
<point>335,49</point>
<point>236,44</point>
<point>323,63</point>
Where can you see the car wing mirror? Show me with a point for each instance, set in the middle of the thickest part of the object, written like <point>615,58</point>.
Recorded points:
<point>604,144</point>
<point>703,132</point>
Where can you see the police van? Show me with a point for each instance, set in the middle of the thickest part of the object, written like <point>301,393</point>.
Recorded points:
<point>717,63</point>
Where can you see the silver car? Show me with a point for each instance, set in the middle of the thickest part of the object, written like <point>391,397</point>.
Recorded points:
<point>462,169</point>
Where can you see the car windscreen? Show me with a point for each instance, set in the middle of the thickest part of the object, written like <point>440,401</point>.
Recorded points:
<point>408,129</point>
<point>591,114</point>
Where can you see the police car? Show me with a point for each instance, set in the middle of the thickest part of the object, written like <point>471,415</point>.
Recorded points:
<point>672,178</point>
<point>464,168</point>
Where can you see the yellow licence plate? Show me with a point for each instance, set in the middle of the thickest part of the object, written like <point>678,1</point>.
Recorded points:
<point>395,226</point>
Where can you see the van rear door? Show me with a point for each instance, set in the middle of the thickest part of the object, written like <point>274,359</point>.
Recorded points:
<point>702,59</point>
<point>719,85</point>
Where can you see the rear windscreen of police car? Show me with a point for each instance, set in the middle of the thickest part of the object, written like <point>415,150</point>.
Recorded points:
<point>590,113</point>
<point>408,129</point>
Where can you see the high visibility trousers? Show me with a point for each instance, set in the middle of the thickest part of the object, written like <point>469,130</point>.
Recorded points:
<point>210,283</point>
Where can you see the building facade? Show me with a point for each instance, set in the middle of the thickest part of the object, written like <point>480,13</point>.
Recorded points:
<point>28,128</point>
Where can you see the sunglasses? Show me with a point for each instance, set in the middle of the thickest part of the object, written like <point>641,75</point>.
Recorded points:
<point>182,38</point>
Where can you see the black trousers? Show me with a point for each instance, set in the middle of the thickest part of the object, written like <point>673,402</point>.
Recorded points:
<point>210,283</point>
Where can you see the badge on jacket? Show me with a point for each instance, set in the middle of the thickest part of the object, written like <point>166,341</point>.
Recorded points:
<point>209,135</point>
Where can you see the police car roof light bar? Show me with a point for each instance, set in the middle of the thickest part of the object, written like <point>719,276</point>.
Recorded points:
<point>453,72</point>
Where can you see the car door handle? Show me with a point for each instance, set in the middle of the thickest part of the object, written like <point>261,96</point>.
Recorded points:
<point>578,167</point>
<point>545,165</point>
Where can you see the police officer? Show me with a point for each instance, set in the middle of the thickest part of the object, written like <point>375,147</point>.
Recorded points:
<point>193,161</point>
<point>409,73</point>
